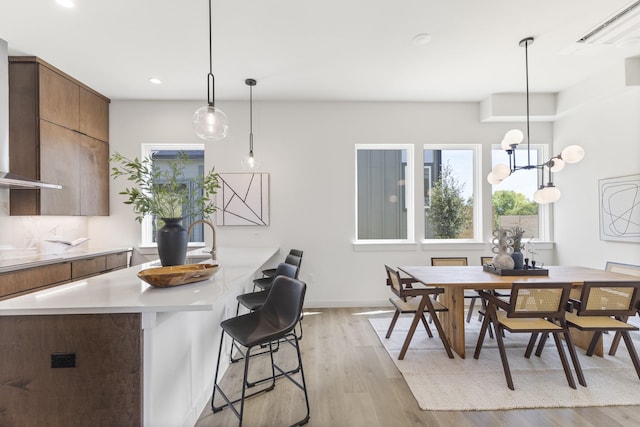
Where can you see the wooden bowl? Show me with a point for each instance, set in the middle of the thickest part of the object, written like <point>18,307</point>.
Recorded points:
<point>176,275</point>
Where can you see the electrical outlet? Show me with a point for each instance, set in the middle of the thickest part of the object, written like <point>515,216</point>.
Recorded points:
<point>63,360</point>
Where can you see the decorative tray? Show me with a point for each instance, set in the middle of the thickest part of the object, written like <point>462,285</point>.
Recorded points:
<point>176,275</point>
<point>528,272</point>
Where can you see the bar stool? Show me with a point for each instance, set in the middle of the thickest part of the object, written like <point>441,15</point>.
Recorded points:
<point>273,321</point>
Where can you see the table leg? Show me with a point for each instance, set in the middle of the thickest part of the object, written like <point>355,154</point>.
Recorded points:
<point>453,320</point>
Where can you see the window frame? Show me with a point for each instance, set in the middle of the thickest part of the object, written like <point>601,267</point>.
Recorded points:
<point>544,211</point>
<point>146,229</point>
<point>409,194</point>
<point>477,192</point>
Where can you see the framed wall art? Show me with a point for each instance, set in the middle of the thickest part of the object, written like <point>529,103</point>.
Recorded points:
<point>620,208</point>
<point>243,199</point>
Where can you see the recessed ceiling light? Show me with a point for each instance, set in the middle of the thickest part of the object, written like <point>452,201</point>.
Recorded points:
<point>65,3</point>
<point>155,80</point>
<point>421,39</point>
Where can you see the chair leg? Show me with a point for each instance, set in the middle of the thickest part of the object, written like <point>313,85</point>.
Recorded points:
<point>532,343</point>
<point>426,326</point>
<point>302,386</point>
<point>543,340</point>
<point>632,351</point>
<point>574,355</point>
<point>565,362</point>
<point>594,342</point>
<point>436,321</point>
<point>503,357</point>
<point>471,305</point>
<point>483,331</point>
<point>615,343</point>
<point>393,323</point>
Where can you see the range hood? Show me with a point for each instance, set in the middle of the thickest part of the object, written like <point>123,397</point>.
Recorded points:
<point>11,180</point>
<point>7,179</point>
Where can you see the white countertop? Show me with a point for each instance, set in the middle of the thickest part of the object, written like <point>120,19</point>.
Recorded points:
<point>122,291</point>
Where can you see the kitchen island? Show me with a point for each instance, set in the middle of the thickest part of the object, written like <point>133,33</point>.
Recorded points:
<point>113,350</point>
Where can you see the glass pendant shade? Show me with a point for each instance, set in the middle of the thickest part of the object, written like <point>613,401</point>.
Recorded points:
<point>549,194</point>
<point>557,164</point>
<point>513,137</point>
<point>538,197</point>
<point>210,123</point>
<point>501,171</point>
<point>572,154</point>
<point>250,163</point>
<point>492,179</point>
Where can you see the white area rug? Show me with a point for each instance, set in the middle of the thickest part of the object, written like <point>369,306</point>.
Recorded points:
<point>442,384</point>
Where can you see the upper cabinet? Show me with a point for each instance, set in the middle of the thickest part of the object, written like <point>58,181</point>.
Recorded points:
<point>58,133</point>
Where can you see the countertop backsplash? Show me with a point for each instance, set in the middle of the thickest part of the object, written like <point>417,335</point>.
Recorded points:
<point>25,235</point>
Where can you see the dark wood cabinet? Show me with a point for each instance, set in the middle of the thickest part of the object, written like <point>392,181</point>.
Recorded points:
<point>58,133</point>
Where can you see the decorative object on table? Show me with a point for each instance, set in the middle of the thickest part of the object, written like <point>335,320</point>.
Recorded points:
<point>531,271</point>
<point>503,248</point>
<point>620,209</point>
<point>518,257</point>
<point>170,197</point>
<point>547,193</point>
<point>210,122</point>
<point>250,163</point>
<point>243,199</point>
<point>165,277</point>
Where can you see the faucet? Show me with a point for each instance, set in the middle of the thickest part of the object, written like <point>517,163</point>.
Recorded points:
<point>213,230</point>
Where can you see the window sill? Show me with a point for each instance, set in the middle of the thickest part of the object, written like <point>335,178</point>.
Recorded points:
<point>378,246</point>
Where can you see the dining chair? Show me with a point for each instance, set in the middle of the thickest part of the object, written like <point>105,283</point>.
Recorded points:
<point>631,270</point>
<point>471,295</point>
<point>274,321</point>
<point>415,300</point>
<point>293,257</point>
<point>264,282</point>
<point>604,307</point>
<point>486,260</point>
<point>533,308</point>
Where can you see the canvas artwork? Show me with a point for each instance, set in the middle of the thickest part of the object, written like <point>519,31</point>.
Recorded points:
<point>620,209</point>
<point>243,199</point>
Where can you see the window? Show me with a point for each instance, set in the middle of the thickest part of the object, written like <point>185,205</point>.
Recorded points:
<point>512,199</point>
<point>451,199</point>
<point>160,155</point>
<point>384,193</point>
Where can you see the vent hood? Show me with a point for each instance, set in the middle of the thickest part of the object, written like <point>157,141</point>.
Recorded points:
<point>7,179</point>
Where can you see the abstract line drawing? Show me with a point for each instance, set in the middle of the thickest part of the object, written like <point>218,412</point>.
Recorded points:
<point>243,199</point>
<point>620,209</point>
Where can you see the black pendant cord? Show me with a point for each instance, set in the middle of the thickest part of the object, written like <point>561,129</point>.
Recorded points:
<point>210,79</point>
<point>251,120</point>
<point>526,61</point>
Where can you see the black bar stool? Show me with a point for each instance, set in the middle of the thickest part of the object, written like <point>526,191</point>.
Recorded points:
<point>273,321</point>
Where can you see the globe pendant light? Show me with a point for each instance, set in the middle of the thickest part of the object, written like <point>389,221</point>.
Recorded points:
<point>250,162</point>
<point>209,122</point>
<point>572,154</point>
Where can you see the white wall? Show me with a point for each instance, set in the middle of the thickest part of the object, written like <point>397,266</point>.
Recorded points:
<point>308,148</point>
<point>602,115</point>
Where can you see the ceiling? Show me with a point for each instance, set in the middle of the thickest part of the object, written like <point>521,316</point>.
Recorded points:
<point>345,50</point>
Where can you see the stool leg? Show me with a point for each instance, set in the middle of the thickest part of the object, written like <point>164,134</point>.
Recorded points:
<point>215,378</point>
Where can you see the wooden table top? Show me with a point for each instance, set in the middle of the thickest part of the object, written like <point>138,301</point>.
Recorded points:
<point>474,277</point>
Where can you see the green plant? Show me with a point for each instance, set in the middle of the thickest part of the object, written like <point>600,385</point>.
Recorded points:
<point>448,214</point>
<point>509,202</point>
<point>164,193</point>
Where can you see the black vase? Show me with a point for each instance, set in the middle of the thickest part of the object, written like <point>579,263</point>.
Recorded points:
<point>172,242</point>
<point>518,259</point>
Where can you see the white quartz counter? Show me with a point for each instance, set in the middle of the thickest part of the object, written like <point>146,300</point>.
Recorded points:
<point>122,291</point>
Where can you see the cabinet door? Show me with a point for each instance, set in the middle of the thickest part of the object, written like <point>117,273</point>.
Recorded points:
<point>88,267</point>
<point>26,280</point>
<point>59,151</point>
<point>59,98</point>
<point>117,261</point>
<point>94,176</point>
<point>94,115</point>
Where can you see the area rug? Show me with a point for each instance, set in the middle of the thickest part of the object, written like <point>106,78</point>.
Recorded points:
<point>442,384</point>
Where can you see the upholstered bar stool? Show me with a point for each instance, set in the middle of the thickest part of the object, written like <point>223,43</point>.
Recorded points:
<point>273,321</point>
<point>291,258</point>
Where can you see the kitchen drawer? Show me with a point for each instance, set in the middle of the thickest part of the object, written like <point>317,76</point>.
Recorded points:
<point>116,261</point>
<point>32,278</point>
<point>88,267</point>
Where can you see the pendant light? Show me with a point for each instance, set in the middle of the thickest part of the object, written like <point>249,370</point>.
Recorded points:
<point>250,162</point>
<point>209,122</point>
<point>546,193</point>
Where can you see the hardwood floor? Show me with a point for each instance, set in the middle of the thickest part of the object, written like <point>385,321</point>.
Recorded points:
<point>353,382</point>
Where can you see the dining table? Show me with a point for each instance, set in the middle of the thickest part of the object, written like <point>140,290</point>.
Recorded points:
<point>455,279</point>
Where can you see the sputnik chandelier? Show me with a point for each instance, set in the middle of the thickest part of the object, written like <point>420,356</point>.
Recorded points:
<point>546,193</point>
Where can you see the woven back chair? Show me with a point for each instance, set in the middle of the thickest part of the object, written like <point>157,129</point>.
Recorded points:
<point>628,269</point>
<point>415,300</point>
<point>532,309</point>
<point>471,295</point>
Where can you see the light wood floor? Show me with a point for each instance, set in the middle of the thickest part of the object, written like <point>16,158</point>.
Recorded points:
<point>353,382</point>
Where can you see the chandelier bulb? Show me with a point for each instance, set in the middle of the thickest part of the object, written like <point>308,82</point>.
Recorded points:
<point>572,154</point>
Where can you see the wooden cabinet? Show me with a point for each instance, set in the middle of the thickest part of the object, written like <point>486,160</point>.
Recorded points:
<point>19,282</point>
<point>58,133</point>
<point>22,281</point>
